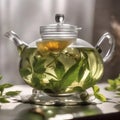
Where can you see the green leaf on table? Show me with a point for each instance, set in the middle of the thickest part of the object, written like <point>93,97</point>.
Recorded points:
<point>3,100</point>
<point>96,89</point>
<point>12,93</point>
<point>6,85</point>
<point>112,85</point>
<point>101,97</point>
<point>3,94</point>
<point>3,86</point>
<point>97,93</point>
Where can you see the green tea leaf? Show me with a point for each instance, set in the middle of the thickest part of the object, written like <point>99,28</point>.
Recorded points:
<point>28,52</point>
<point>78,89</point>
<point>3,100</point>
<point>27,58</point>
<point>96,89</point>
<point>1,91</point>
<point>71,75</point>
<point>101,97</point>
<point>84,72</point>
<point>59,69</point>
<point>3,94</point>
<point>36,81</point>
<point>88,82</point>
<point>38,65</point>
<point>82,69</point>
<point>25,72</point>
<point>117,82</point>
<point>109,88</point>
<point>112,83</point>
<point>6,85</point>
<point>50,74</point>
<point>3,86</point>
<point>52,87</point>
<point>12,93</point>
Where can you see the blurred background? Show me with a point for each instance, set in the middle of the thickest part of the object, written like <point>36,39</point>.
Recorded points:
<point>26,16</point>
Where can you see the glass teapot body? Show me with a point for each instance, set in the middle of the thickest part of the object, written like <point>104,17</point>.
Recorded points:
<point>60,63</point>
<point>60,66</point>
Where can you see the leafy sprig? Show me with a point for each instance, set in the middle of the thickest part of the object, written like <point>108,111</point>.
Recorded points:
<point>97,93</point>
<point>114,85</point>
<point>5,95</point>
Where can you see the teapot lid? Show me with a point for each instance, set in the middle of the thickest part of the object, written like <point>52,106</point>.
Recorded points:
<point>59,30</point>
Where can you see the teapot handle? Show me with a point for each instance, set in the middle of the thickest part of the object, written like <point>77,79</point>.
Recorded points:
<point>111,42</point>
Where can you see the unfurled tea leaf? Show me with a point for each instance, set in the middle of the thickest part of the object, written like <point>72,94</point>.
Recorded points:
<point>88,82</point>
<point>82,69</point>
<point>25,72</point>
<point>85,73</point>
<point>37,81</point>
<point>71,75</point>
<point>28,52</point>
<point>78,89</point>
<point>53,87</point>
<point>38,65</point>
<point>59,69</point>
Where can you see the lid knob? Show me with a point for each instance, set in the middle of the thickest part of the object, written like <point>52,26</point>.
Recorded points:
<point>59,18</point>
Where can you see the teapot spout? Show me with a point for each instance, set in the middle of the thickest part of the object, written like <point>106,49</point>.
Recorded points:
<point>15,38</point>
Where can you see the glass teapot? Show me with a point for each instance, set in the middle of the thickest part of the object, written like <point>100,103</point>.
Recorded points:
<point>59,63</point>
